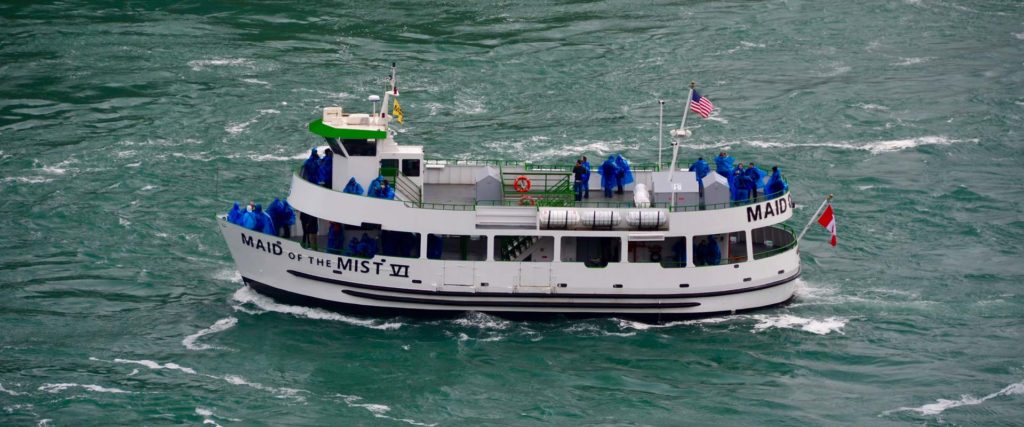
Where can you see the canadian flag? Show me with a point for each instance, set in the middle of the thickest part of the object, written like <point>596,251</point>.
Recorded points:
<point>828,220</point>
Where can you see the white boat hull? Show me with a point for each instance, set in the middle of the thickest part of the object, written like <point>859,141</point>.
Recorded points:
<point>385,286</point>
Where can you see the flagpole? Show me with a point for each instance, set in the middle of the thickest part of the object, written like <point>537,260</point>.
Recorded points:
<point>661,127</point>
<point>814,217</point>
<point>679,135</point>
<point>689,99</point>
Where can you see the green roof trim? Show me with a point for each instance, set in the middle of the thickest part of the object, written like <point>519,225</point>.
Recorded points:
<point>318,127</point>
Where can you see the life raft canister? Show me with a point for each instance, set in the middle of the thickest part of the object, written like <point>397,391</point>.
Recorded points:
<point>522,184</point>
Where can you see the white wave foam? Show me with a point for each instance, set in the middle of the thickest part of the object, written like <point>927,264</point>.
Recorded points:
<point>246,295</point>
<point>865,187</point>
<point>11,392</point>
<point>876,147</point>
<point>255,81</point>
<point>154,365</point>
<point>629,324</point>
<point>270,111</point>
<point>124,222</point>
<point>276,158</point>
<point>788,321</point>
<point>221,325</point>
<point>229,378</point>
<point>590,329</point>
<point>228,275</point>
<point>465,106</point>
<point>208,416</point>
<point>27,179</point>
<point>237,128</point>
<point>482,321</point>
<point>57,388</point>
<point>941,405</point>
<point>45,422</point>
<point>201,64</point>
<point>912,61</point>
<point>378,410</point>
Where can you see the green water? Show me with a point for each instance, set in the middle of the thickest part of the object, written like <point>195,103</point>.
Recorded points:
<point>125,127</point>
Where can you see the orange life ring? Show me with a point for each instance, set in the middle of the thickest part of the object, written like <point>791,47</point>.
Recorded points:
<point>527,200</point>
<point>522,184</point>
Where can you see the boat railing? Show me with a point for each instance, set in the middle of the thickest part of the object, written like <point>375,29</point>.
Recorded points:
<point>407,188</point>
<point>560,198</point>
<point>791,234</point>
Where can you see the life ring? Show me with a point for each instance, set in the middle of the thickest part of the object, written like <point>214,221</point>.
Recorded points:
<point>527,200</point>
<point>522,184</point>
<point>656,254</point>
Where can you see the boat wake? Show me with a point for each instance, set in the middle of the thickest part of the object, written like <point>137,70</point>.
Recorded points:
<point>763,323</point>
<point>943,404</point>
<point>246,296</point>
<point>57,388</point>
<point>873,147</point>
<point>221,325</point>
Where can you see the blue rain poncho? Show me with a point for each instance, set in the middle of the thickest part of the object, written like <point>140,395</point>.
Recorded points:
<point>367,246</point>
<point>679,251</point>
<point>353,247</point>
<point>586,176</point>
<point>775,186</point>
<point>281,213</point>
<point>723,165</point>
<point>701,167</point>
<point>757,175</point>
<point>353,187</point>
<point>374,190</point>
<point>325,170</point>
<point>335,238</point>
<point>311,167</point>
<point>624,174</point>
<point>608,173</point>
<point>713,255</point>
<point>235,214</point>
<point>264,224</point>
<point>740,186</point>
<point>248,220</point>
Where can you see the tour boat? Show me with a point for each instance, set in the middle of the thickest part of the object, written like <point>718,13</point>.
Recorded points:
<point>508,238</point>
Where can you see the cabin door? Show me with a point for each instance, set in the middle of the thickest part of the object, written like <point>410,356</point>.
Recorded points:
<point>458,274</point>
<point>535,274</point>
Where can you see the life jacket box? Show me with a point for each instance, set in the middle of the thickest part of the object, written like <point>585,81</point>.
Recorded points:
<point>683,185</point>
<point>716,189</point>
<point>487,184</point>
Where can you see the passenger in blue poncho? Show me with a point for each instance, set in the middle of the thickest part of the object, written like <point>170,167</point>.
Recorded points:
<point>757,175</point>
<point>740,186</point>
<point>624,175</point>
<point>723,165</point>
<point>335,238</point>
<point>775,186</point>
<point>311,167</point>
<point>263,222</point>
<point>386,191</point>
<point>310,227</point>
<point>353,247</point>
<point>283,216</point>
<point>248,218</point>
<point>701,168</point>
<point>353,187</point>
<point>326,169</point>
<point>374,190</point>
<point>608,172</point>
<point>586,178</point>
<point>367,246</point>
<point>235,214</point>
<point>714,255</point>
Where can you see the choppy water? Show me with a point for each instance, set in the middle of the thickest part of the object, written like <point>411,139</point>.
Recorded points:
<point>125,127</point>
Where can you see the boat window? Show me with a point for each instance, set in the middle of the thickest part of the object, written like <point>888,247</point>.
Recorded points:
<point>592,251</point>
<point>524,248</point>
<point>670,253</point>
<point>456,247</point>
<point>411,167</point>
<point>360,147</point>
<point>368,240</point>
<point>771,240</point>
<point>720,249</point>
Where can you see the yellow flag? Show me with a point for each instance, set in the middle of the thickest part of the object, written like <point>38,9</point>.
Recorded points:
<point>397,112</point>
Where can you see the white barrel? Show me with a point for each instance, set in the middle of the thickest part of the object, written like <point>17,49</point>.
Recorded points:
<point>558,218</point>
<point>600,218</point>
<point>647,219</point>
<point>641,198</point>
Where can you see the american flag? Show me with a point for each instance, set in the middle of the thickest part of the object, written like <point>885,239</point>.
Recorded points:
<point>701,105</point>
